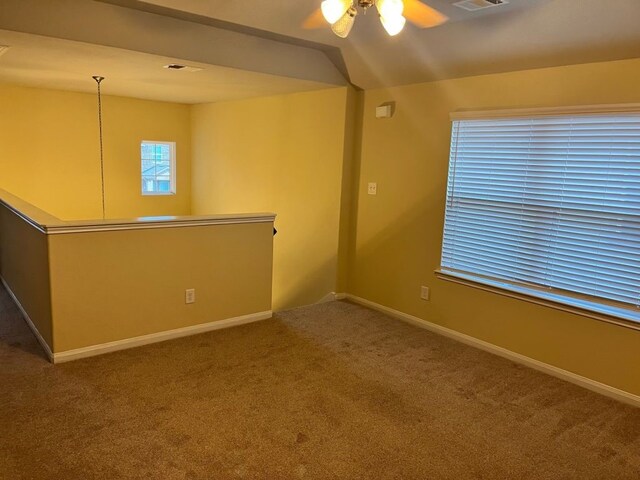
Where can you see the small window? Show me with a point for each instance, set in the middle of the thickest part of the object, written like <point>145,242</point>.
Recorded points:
<point>549,205</point>
<point>158,168</point>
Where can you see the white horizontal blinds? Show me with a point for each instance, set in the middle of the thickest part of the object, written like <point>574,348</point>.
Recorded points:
<point>552,201</point>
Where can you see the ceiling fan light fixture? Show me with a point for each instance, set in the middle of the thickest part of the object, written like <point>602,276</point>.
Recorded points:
<point>393,24</point>
<point>334,10</point>
<point>344,24</point>
<point>390,8</point>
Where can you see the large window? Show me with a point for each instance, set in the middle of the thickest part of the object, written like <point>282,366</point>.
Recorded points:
<point>549,206</point>
<point>158,168</point>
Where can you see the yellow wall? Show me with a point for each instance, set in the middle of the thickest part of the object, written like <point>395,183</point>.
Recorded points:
<point>399,231</point>
<point>292,154</point>
<point>283,154</point>
<point>50,152</point>
<point>109,286</point>
<point>350,179</point>
<point>24,266</point>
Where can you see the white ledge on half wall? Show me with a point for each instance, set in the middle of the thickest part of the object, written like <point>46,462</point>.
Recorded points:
<point>50,225</point>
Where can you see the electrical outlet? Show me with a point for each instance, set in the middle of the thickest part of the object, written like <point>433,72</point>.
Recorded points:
<point>372,188</point>
<point>190,295</point>
<point>424,293</point>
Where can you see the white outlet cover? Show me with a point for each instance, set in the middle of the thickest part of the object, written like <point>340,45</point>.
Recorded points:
<point>190,295</point>
<point>424,293</point>
<point>372,188</point>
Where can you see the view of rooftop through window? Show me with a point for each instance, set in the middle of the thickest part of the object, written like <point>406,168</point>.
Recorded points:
<point>158,169</point>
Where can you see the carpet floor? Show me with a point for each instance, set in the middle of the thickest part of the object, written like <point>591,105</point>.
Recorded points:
<point>331,391</point>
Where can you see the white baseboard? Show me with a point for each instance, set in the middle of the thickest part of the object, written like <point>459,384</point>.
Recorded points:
<point>329,297</point>
<point>102,348</point>
<point>126,343</point>
<point>332,297</point>
<point>25,315</point>
<point>584,382</point>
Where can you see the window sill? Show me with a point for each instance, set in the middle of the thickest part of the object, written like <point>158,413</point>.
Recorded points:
<point>606,313</point>
<point>158,194</point>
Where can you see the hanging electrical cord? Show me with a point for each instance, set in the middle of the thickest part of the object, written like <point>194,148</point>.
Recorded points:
<point>98,80</point>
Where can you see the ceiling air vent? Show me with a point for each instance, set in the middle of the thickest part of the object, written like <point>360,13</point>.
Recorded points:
<point>184,68</point>
<point>3,49</point>
<point>473,5</point>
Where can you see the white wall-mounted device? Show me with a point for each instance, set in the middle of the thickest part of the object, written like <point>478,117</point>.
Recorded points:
<point>384,111</point>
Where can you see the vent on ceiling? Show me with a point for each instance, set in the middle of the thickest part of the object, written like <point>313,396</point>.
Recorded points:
<point>473,5</point>
<point>3,49</point>
<point>184,68</point>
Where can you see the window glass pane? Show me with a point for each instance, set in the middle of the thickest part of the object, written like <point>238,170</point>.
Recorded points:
<point>157,167</point>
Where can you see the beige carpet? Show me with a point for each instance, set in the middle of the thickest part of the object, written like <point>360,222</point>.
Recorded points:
<point>333,391</point>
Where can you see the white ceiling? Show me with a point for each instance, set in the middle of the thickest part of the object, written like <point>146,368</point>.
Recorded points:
<point>523,34</point>
<point>47,62</point>
<point>258,47</point>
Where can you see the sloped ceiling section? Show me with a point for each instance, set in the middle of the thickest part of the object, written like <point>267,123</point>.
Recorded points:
<point>267,37</point>
<point>111,25</point>
<point>522,34</point>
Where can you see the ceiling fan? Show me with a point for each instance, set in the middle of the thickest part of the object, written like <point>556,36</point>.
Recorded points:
<point>341,14</point>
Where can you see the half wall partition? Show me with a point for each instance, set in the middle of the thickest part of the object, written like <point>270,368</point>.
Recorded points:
<point>90,287</point>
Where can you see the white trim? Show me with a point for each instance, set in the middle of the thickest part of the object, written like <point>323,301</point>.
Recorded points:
<point>332,297</point>
<point>126,343</point>
<point>24,217</point>
<point>549,111</point>
<point>25,315</point>
<point>51,225</point>
<point>571,377</point>
<point>157,222</point>
<point>329,297</point>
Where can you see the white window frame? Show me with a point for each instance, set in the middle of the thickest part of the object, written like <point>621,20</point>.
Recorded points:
<point>587,306</point>
<point>172,179</point>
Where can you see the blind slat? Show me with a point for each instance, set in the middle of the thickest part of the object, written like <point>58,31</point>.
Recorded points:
<point>549,201</point>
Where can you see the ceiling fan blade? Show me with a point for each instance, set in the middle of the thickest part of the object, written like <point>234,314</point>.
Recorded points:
<point>315,20</point>
<point>422,15</point>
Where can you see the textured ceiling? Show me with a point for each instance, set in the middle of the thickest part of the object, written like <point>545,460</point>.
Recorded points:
<point>258,47</point>
<point>38,61</point>
<point>523,34</point>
